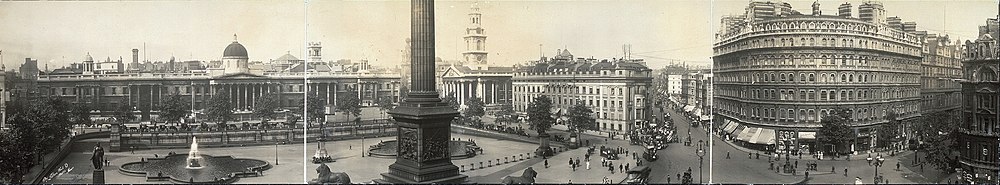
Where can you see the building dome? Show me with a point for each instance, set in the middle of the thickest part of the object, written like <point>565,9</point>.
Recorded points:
<point>235,49</point>
<point>88,58</point>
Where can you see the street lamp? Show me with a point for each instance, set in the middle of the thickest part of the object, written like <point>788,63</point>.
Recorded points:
<point>276,153</point>
<point>701,158</point>
<point>878,163</point>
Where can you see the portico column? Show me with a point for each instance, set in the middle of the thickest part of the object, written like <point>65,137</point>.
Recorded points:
<point>493,87</point>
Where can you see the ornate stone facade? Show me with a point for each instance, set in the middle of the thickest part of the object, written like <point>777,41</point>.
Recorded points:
<point>979,136</point>
<point>614,89</point>
<point>145,91</point>
<point>784,73</point>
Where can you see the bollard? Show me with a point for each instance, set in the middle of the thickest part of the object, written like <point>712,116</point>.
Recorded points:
<point>480,165</point>
<point>463,168</point>
<point>498,161</point>
<point>490,163</point>
<point>505,160</point>
<point>472,166</point>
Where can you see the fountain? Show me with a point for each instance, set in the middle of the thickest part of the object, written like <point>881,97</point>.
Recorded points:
<point>194,160</point>
<point>195,167</point>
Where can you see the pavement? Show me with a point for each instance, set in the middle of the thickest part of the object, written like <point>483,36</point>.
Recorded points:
<point>740,169</point>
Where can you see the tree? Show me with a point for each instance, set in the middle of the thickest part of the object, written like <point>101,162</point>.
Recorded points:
<point>836,130</point>
<point>505,114</point>
<point>404,91</point>
<point>316,110</point>
<point>888,133</point>
<point>581,119</point>
<point>123,113</point>
<point>15,156</point>
<point>220,109</point>
<point>474,108</point>
<point>385,104</point>
<point>349,104</point>
<point>81,114</point>
<point>264,107</point>
<point>37,127</point>
<point>540,114</point>
<point>452,101</point>
<point>938,133</point>
<point>173,109</point>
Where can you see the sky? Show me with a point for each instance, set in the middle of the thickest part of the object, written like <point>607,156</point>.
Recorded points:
<point>659,31</point>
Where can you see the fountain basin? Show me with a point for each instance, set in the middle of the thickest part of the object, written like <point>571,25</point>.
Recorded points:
<point>213,169</point>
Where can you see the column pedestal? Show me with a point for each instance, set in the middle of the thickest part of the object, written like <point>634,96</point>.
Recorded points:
<point>98,177</point>
<point>543,147</point>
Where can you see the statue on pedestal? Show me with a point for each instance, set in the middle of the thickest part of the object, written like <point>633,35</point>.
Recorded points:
<point>98,157</point>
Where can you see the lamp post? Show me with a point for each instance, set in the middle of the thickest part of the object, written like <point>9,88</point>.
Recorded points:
<point>276,153</point>
<point>878,163</point>
<point>701,158</point>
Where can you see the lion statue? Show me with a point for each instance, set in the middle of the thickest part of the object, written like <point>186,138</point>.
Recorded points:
<point>328,177</point>
<point>528,177</point>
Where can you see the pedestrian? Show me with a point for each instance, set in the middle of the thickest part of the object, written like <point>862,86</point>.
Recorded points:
<point>678,176</point>
<point>807,174</point>
<point>758,155</point>
<point>546,163</point>
<point>578,161</point>
<point>727,154</point>
<point>668,180</point>
<point>626,166</point>
<point>588,164</point>
<point>845,172</point>
<point>796,164</point>
<point>897,165</point>
<point>570,163</point>
<point>749,155</point>
<point>621,168</point>
<point>612,169</point>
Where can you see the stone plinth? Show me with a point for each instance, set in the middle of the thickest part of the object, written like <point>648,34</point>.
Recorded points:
<point>98,177</point>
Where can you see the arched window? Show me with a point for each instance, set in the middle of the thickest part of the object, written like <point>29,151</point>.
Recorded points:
<point>986,75</point>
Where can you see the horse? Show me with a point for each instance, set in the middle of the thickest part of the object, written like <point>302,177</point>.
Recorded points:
<point>329,177</point>
<point>528,177</point>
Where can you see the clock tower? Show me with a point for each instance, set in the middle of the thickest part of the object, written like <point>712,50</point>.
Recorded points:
<point>475,41</point>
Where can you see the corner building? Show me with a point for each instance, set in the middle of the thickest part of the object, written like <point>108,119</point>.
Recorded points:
<point>779,75</point>
<point>978,137</point>
<point>614,89</point>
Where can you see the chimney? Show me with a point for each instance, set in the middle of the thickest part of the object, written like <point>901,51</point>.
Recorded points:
<point>135,55</point>
<point>815,9</point>
<point>844,10</point>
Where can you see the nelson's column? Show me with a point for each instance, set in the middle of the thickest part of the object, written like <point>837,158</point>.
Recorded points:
<point>423,120</point>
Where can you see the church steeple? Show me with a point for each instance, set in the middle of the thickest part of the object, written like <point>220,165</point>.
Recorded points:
<point>475,40</point>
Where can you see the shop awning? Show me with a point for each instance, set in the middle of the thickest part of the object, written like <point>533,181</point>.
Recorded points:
<point>688,108</point>
<point>748,134</point>
<point>807,135</point>
<point>721,123</point>
<point>766,136</point>
<point>697,111</point>
<point>705,117</point>
<point>730,126</point>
